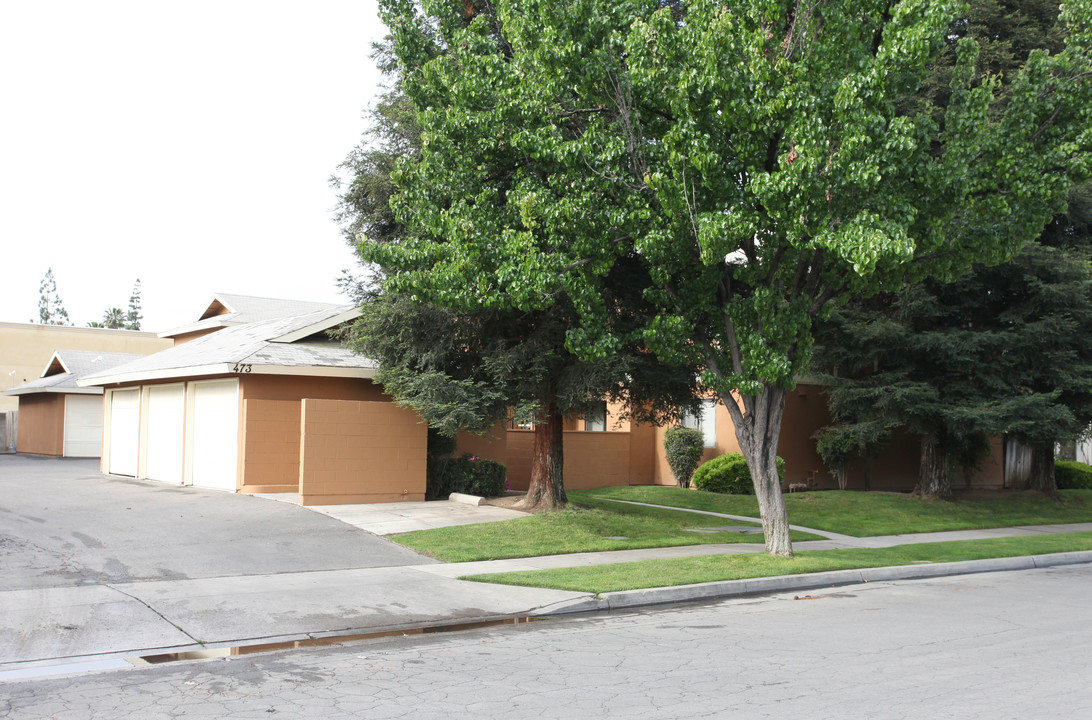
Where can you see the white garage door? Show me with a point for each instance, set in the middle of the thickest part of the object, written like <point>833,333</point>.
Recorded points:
<point>165,433</point>
<point>82,425</point>
<point>124,431</point>
<point>214,431</point>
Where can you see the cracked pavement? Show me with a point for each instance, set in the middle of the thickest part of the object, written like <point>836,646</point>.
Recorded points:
<point>1003,645</point>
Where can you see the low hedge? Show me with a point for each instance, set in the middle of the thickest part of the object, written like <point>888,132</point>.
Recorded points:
<point>729,474</point>
<point>1073,476</point>
<point>472,476</point>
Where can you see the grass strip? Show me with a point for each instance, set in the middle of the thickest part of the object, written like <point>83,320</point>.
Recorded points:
<point>594,526</point>
<point>710,568</point>
<point>862,514</point>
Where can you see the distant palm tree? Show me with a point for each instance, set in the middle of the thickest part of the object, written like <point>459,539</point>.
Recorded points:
<point>114,318</point>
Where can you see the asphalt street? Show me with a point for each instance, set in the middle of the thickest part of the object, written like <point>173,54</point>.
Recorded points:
<point>998,645</point>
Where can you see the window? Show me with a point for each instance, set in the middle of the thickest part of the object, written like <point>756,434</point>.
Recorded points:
<point>706,421</point>
<point>595,418</point>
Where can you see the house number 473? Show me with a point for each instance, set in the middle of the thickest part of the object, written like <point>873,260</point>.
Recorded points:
<point>239,368</point>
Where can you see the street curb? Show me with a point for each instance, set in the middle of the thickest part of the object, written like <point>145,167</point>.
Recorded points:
<point>808,581</point>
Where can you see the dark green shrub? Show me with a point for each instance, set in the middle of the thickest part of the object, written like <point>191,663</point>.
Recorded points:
<point>438,454</point>
<point>729,474</point>
<point>1073,476</point>
<point>472,475</point>
<point>683,447</point>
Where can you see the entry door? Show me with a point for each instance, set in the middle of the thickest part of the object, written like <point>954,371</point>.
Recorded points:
<point>165,432</point>
<point>214,430</point>
<point>124,431</point>
<point>82,425</point>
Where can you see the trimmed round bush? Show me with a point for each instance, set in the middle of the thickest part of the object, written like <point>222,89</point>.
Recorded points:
<point>1073,476</point>
<point>729,474</point>
<point>683,447</point>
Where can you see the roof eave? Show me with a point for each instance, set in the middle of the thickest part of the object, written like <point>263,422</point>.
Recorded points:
<point>158,374</point>
<point>325,324</point>
<point>365,373</point>
<point>210,324</point>
<point>16,391</point>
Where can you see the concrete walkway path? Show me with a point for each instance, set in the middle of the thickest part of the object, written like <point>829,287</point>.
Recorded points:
<point>837,540</point>
<point>399,517</point>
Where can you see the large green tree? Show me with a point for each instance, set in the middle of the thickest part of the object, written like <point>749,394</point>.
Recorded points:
<point>1005,350</point>
<point>468,366</point>
<point>939,360</point>
<point>756,156</point>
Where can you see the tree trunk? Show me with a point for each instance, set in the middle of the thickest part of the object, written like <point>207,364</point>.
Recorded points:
<point>933,478</point>
<point>758,429</point>
<point>547,489</point>
<point>1042,470</point>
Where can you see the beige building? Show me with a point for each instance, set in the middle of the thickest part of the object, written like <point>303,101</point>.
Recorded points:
<point>26,348</point>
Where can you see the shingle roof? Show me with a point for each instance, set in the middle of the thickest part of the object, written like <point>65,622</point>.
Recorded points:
<point>254,345</point>
<point>242,309</point>
<point>67,366</point>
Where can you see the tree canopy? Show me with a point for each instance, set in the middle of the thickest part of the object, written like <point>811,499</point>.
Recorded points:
<point>1005,350</point>
<point>757,157</point>
<point>468,366</point>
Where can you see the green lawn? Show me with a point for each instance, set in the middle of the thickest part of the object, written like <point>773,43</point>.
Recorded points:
<point>597,525</point>
<point>686,571</point>
<point>862,514</point>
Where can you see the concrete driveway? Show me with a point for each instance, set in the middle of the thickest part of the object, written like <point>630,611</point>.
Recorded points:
<point>63,524</point>
<point>95,568</point>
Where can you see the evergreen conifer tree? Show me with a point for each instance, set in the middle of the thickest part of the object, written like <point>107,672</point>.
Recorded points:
<point>133,316</point>
<point>937,359</point>
<point>1005,350</point>
<point>50,308</point>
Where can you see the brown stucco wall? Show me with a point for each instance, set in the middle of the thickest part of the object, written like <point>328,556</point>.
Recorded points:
<point>271,446</point>
<point>805,412</point>
<point>41,424</point>
<point>725,438</point>
<point>596,459</point>
<point>290,387</point>
<point>592,459</point>
<point>492,445</point>
<point>269,458</point>
<point>359,452</point>
<point>642,454</point>
<point>894,470</point>
<point>520,447</point>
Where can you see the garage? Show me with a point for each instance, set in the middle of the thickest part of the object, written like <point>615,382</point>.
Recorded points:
<point>124,413</point>
<point>213,429</point>
<point>164,432</point>
<point>82,425</point>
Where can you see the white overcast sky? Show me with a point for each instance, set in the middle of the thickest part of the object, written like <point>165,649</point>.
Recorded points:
<point>185,144</point>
